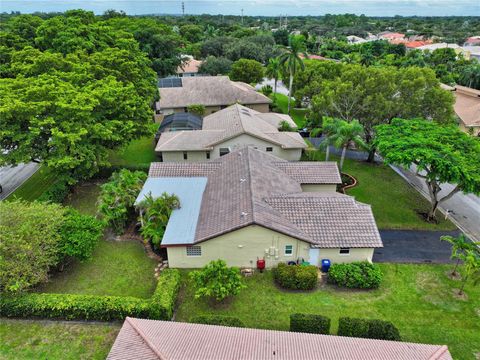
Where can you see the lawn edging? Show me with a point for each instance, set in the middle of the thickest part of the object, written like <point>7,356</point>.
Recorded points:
<point>93,307</point>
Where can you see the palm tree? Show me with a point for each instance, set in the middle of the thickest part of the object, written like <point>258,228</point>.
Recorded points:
<point>345,133</point>
<point>273,72</point>
<point>328,130</point>
<point>460,245</point>
<point>210,31</point>
<point>291,60</point>
<point>471,268</point>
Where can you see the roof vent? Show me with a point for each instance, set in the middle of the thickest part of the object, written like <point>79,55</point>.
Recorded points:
<point>243,214</point>
<point>243,180</point>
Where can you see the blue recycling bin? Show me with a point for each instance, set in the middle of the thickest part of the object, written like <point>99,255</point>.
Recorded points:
<point>325,265</point>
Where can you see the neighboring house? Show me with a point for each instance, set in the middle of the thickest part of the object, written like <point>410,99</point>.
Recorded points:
<point>179,122</point>
<point>229,129</point>
<point>214,92</point>
<point>472,41</point>
<point>154,339</point>
<point>467,108</point>
<point>353,39</point>
<point>249,205</point>
<point>390,36</point>
<point>189,68</point>
<point>471,52</point>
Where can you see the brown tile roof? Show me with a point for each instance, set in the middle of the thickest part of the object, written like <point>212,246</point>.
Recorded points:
<point>229,123</point>
<point>189,66</point>
<point>209,91</point>
<point>251,187</point>
<point>168,340</point>
<point>467,105</point>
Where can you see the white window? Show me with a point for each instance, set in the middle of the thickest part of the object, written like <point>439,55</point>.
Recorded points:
<point>288,250</point>
<point>194,250</point>
<point>344,251</point>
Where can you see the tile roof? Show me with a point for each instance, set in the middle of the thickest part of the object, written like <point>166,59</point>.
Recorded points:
<point>228,123</point>
<point>189,66</point>
<point>209,91</point>
<point>168,340</point>
<point>467,105</point>
<point>248,187</point>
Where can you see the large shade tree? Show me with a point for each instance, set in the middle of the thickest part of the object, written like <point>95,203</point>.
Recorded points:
<point>440,154</point>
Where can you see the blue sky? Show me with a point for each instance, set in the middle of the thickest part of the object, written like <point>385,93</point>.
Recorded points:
<point>256,7</point>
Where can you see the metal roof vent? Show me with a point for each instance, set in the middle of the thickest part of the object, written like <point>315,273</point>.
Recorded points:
<point>243,180</point>
<point>243,214</point>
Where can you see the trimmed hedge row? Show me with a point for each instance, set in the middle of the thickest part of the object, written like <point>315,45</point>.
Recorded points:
<point>310,323</point>
<point>359,275</point>
<point>91,307</point>
<point>217,320</point>
<point>368,328</point>
<point>296,277</point>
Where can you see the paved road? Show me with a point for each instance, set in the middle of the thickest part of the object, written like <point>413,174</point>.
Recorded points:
<point>13,177</point>
<point>281,88</point>
<point>409,246</point>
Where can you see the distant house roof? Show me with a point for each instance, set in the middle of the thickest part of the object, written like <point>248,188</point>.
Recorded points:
<point>416,44</point>
<point>189,66</point>
<point>209,91</point>
<point>190,192</point>
<point>251,187</point>
<point>168,340</point>
<point>467,105</point>
<point>390,35</point>
<point>228,123</point>
<point>435,46</point>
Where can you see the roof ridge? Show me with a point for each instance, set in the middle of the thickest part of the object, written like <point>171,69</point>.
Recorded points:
<point>438,353</point>
<point>140,333</point>
<point>252,204</point>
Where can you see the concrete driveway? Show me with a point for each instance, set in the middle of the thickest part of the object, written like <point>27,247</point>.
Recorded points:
<point>281,88</point>
<point>409,246</point>
<point>12,177</point>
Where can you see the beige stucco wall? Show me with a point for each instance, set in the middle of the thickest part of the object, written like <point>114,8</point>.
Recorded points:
<point>241,248</point>
<point>235,143</point>
<point>319,187</point>
<point>263,108</point>
<point>475,131</point>
<point>356,254</point>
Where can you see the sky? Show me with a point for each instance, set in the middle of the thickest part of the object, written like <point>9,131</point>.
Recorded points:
<point>256,7</point>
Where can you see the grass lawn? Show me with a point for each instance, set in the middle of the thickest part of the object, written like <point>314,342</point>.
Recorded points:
<point>116,268</point>
<point>138,152</point>
<point>84,197</point>
<point>418,299</point>
<point>35,186</point>
<point>395,203</point>
<point>25,339</point>
<point>298,115</point>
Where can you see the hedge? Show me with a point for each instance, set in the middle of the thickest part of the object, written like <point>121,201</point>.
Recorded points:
<point>310,323</point>
<point>107,171</point>
<point>360,275</point>
<point>296,277</point>
<point>57,192</point>
<point>91,307</point>
<point>217,320</point>
<point>368,328</point>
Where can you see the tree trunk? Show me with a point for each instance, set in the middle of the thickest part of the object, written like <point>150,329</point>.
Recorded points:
<point>454,272</point>
<point>433,210</point>
<point>434,189</point>
<point>344,151</point>
<point>327,152</point>
<point>275,90</point>
<point>290,91</point>
<point>371,154</point>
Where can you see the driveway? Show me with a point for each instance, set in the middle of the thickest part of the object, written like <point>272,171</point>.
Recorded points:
<point>410,246</point>
<point>12,177</point>
<point>281,88</point>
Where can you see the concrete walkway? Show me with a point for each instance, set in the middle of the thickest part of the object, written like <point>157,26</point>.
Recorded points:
<point>409,246</point>
<point>11,177</point>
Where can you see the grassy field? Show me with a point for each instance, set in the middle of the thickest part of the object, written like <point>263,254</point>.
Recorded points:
<point>116,268</point>
<point>24,339</point>
<point>84,197</point>
<point>395,204</point>
<point>35,186</point>
<point>138,152</point>
<point>418,299</point>
<point>298,115</point>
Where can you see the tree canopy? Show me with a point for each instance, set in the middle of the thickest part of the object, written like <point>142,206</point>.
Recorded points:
<point>441,154</point>
<point>248,71</point>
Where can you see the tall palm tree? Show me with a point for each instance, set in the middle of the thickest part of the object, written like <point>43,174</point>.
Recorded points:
<point>291,60</point>
<point>327,130</point>
<point>345,133</point>
<point>273,72</point>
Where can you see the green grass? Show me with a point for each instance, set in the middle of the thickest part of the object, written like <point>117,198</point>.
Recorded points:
<point>84,197</point>
<point>35,186</point>
<point>24,339</point>
<point>298,115</point>
<point>116,268</point>
<point>140,151</point>
<point>418,299</point>
<point>395,204</point>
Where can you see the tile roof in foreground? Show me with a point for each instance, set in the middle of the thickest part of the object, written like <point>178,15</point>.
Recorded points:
<point>229,123</point>
<point>251,187</point>
<point>209,91</point>
<point>168,340</point>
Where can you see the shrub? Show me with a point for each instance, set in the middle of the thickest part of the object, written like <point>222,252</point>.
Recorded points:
<point>367,328</point>
<point>285,126</point>
<point>266,90</point>
<point>217,281</point>
<point>57,192</point>
<point>310,323</point>
<point>196,109</point>
<point>360,275</point>
<point>296,277</point>
<point>29,238</point>
<point>79,235</point>
<point>217,320</point>
<point>92,307</point>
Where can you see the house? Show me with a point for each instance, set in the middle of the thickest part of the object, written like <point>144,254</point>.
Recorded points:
<point>189,67</point>
<point>181,121</point>
<point>472,41</point>
<point>214,92</point>
<point>249,205</point>
<point>231,128</point>
<point>390,36</point>
<point>467,108</point>
<point>154,339</point>
<point>353,39</point>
